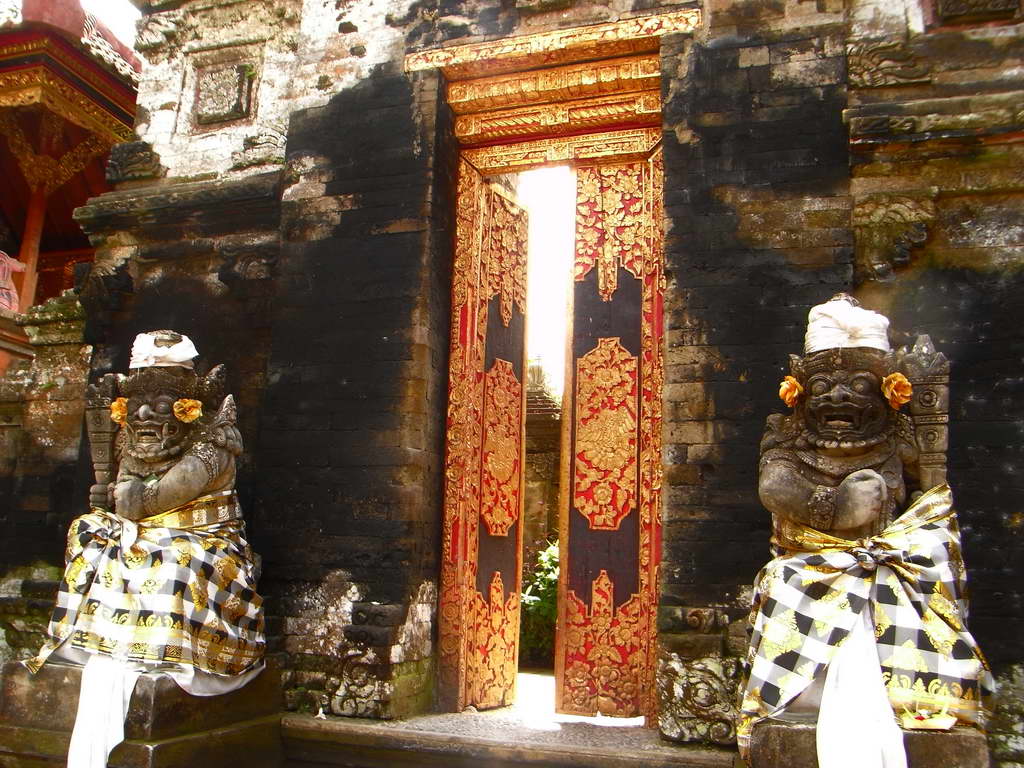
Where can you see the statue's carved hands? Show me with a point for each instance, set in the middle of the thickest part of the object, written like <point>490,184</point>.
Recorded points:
<point>860,500</point>
<point>128,499</point>
<point>99,495</point>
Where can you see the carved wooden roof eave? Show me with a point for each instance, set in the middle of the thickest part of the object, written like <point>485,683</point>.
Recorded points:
<point>627,37</point>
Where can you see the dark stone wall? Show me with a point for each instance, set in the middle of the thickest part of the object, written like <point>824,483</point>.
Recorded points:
<point>352,445</point>
<point>757,209</point>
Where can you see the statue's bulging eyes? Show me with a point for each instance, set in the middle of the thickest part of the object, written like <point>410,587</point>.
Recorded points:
<point>820,386</point>
<point>862,385</point>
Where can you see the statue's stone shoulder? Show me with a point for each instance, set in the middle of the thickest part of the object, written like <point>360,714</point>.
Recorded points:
<point>780,431</point>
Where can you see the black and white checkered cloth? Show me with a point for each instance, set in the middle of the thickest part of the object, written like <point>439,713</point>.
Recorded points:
<point>182,595</point>
<point>911,576</point>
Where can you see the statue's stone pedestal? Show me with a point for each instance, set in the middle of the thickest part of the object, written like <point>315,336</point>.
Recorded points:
<point>792,745</point>
<point>165,727</point>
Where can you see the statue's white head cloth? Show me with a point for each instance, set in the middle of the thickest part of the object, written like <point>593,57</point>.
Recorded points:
<point>168,353</point>
<point>841,322</point>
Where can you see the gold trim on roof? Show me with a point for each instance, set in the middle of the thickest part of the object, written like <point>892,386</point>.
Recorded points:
<point>622,145</point>
<point>544,86</point>
<point>560,118</point>
<point>562,46</point>
<point>37,85</point>
<point>100,80</point>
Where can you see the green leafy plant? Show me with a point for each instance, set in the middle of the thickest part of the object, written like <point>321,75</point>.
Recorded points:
<point>539,610</point>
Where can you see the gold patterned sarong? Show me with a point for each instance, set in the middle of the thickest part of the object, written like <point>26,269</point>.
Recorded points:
<point>178,587</point>
<point>911,576</point>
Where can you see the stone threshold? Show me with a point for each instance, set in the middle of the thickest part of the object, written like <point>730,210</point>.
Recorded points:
<point>358,743</point>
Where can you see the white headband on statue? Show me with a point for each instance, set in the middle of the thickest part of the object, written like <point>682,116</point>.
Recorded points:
<point>146,353</point>
<point>840,323</point>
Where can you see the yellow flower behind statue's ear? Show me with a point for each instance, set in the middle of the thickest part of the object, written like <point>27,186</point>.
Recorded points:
<point>119,410</point>
<point>187,410</point>
<point>790,391</point>
<point>897,390</point>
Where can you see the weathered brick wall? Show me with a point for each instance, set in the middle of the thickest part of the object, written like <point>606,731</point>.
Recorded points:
<point>352,441</point>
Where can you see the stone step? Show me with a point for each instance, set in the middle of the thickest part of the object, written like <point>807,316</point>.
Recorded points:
<point>313,743</point>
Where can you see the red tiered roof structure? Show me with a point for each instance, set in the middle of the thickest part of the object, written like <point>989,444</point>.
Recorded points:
<point>67,95</point>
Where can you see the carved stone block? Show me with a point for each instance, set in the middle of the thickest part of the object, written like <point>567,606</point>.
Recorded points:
<point>133,161</point>
<point>223,93</point>
<point>697,698</point>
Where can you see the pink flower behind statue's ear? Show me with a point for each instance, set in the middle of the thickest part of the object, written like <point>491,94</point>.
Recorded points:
<point>897,390</point>
<point>119,410</point>
<point>790,391</point>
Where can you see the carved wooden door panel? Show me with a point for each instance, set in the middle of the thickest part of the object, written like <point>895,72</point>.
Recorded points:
<point>481,534</point>
<point>609,520</point>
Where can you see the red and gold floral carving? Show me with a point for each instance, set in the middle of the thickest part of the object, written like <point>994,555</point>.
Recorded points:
<point>494,642</point>
<point>502,449</point>
<point>605,456</point>
<point>633,143</point>
<point>611,222</point>
<point>606,656</point>
<point>483,458</point>
<point>505,259</point>
<point>607,653</point>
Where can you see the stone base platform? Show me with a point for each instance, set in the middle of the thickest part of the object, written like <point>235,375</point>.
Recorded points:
<point>165,727</point>
<point>484,739</point>
<point>794,746</point>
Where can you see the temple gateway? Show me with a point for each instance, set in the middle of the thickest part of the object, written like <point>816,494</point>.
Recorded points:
<point>402,385</point>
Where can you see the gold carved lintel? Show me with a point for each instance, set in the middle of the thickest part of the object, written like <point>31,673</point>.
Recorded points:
<point>557,84</point>
<point>562,46</point>
<point>37,85</point>
<point>560,118</point>
<point>621,145</point>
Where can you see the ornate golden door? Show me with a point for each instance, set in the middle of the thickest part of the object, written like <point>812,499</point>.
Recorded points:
<point>609,524</point>
<point>482,536</point>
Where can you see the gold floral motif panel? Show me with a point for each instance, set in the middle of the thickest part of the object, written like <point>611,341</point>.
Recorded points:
<point>557,84</point>
<point>483,446</point>
<point>612,222</point>
<point>605,456</point>
<point>619,145</point>
<point>506,253</point>
<point>494,641</point>
<point>502,449</point>
<point>560,118</point>
<point>605,668</point>
<point>606,655</point>
<point>562,46</point>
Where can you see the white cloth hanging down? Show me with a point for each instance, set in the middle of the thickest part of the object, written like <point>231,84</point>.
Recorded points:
<point>856,724</point>
<point>107,686</point>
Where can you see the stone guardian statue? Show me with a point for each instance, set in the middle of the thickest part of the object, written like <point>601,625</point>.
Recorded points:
<point>161,580</point>
<point>859,623</point>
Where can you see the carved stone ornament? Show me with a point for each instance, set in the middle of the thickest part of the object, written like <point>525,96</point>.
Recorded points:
<point>877,64</point>
<point>133,161</point>
<point>223,93</point>
<point>157,31</point>
<point>887,228</point>
<point>697,699</point>
<point>361,691</point>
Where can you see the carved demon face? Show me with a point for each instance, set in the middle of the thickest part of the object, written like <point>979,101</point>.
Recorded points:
<point>845,408</point>
<point>154,432</point>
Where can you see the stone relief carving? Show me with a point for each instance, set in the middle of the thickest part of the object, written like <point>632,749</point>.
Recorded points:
<point>224,93</point>
<point>132,161</point>
<point>697,698</point>
<point>953,10</point>
<point>157,31</point>
<point>263,148</point>
<point>877,64</point>
<point>887,228</point>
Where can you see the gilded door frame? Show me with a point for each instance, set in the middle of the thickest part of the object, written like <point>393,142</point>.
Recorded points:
<point>582,96</point>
